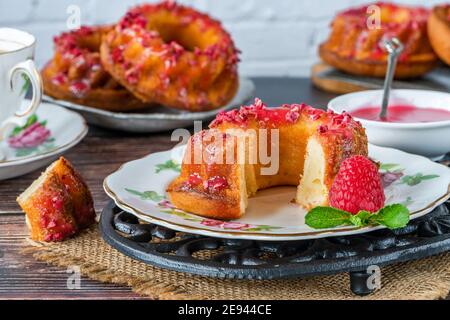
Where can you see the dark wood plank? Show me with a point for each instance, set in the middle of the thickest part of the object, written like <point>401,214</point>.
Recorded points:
<point>22,277</point>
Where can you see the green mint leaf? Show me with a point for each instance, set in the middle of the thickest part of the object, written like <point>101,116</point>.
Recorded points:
<point>361,219</point>
<point>356,221</point>
<point>393,216</point>
<point>364,215</point>
<point>327,217</point>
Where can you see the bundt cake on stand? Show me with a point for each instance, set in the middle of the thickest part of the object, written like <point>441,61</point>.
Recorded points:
<point>228,163</point>
<point>356,42</point>
<point>173,55</point>
<point>439,31</point>
<point>75,73</point>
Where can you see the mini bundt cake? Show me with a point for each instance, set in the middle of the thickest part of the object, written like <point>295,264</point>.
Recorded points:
<point>173,55</point>
<point>58,204</point>
<point>76,74</point>
<point>439,31</point>
<point>224,165</point>
<point>356,46</point>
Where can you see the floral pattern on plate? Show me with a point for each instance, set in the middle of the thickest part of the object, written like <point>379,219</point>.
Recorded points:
<point>392,172</point>
<point>40,139</point>
<point>31,138</point>
<point>167,207</point>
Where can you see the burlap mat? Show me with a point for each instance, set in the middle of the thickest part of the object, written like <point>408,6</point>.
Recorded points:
<point>423,279</point>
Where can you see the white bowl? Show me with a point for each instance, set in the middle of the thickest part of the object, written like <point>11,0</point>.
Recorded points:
<point>430,139</point>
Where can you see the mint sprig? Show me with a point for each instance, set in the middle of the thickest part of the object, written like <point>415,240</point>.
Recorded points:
<point>326,217</point>
<point>393,217</point>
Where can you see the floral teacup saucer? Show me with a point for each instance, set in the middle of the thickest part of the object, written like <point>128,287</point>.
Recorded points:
<point>43,137</point>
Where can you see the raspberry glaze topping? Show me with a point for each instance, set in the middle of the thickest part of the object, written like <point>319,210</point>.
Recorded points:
<point>78,64</point>
<point>215,184</point>
<point>415,14</point>
<point>136,19</point>
<point>194,180</point>
<point>68,44</point>
<point>284,115</point>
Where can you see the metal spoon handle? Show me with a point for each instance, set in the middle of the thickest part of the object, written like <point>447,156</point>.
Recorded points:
<point>394,47</point>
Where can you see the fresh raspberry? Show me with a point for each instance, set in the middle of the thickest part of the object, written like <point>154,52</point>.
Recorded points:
<point>357,186</point>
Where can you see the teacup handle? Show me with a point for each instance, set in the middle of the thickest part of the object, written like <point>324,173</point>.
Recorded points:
<point>28,68</point>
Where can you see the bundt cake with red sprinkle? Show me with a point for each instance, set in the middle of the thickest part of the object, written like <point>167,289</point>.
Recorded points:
<point>355,44</point>
<point>439,31</point>
<point>76,74</point>
<point>223,166</point>
<point>173,55</point>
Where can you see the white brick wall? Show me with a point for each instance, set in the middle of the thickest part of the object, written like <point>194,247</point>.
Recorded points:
<point>277,37</point>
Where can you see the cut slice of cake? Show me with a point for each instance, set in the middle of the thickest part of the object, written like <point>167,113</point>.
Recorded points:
<point>58,204</point>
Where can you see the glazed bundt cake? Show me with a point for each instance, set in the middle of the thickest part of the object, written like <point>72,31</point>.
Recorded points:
<point>241,153</point>
<point>173,55</point>
<point>355,44</point>
<point>439,31</point>
<point>76,74</point>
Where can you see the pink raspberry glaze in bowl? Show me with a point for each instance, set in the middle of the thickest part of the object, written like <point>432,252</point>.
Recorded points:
<point>430,139</point>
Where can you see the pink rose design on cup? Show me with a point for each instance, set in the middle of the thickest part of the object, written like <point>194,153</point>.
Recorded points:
<point>30,136</point>
<point>33,136</point>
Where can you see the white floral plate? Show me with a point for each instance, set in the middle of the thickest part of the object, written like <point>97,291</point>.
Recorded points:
<point>139,187</point>
<point>42,138</point>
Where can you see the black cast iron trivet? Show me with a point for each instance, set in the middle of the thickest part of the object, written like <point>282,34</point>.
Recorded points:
<point>248,259</point>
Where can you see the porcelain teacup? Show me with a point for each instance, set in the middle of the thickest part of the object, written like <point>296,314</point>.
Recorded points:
<point>17,73</point>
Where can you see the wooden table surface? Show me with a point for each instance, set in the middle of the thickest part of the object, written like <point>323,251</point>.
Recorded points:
<point>99,154</point>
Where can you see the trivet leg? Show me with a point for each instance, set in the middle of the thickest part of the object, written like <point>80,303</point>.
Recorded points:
<point>358,283</point>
